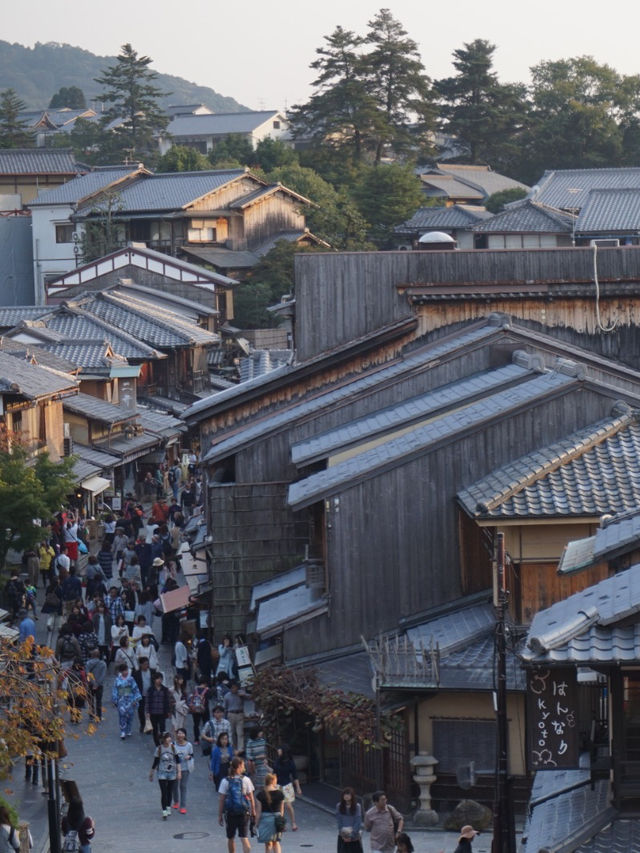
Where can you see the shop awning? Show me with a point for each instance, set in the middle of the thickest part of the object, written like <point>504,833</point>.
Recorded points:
<point>175,600</point>
<point>96,484</point>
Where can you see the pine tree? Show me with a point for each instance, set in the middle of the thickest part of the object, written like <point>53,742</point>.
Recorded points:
<point>71,97</point>
<point>134,114</point>
<point>394,74</point>
<point>485,116</point>
<point>14,131</point>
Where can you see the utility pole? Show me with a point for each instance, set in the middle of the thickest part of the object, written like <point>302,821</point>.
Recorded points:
<point>503,825</point>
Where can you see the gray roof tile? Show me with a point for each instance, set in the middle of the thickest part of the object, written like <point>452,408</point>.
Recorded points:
<point>75,190</point>
<point>610,210</point>
<point>620,836</point>
<point>591,472</point>
<point>219,123</point>
<point>456,216</point>
<point>481,176</point>
<point>79,326</point>
<point>393,417</point>
<point>19,376</point>
<point>99,410</point>
<point>396,450</point>
<point>37,161</point>
<point>528,217</point>
<point>280,419</point>
<point>10,316</point>
<point>453,188</point>
<point>568,189</point>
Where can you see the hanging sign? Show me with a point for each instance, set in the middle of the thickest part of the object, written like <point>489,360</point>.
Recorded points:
<point>552,718</point>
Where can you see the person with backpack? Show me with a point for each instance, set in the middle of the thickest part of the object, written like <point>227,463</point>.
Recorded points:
<point>198,702</point>
<point>77,828</point>
<point>166,761</point>
<point>8,836</point>
<point>236,805</point>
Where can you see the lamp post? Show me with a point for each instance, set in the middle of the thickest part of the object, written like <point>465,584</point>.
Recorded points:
<point>53,812</point>
<point>503,825</point>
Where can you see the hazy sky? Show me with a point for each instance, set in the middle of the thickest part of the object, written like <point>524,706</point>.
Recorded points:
<point>258,51</point>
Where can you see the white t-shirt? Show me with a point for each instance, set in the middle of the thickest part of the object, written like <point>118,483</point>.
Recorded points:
<point>247,786</point>
<point>182,656</point>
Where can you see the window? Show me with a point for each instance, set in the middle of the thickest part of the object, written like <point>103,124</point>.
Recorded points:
<point>276,124</point>
<point>457,742</point>
<point>64,233</point>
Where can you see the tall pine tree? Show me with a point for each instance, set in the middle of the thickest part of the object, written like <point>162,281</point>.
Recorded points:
<point>14,131</point>
<point>135,116</point>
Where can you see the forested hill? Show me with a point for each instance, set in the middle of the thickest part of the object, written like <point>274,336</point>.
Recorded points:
<point>37,73</point>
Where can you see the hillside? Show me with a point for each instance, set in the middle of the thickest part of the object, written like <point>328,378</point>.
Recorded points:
<point>36,73</point>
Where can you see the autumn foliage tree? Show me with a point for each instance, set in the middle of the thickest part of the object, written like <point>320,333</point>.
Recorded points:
<point>280,692</point>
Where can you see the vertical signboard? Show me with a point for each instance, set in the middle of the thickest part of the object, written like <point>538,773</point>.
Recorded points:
<point>552,706</point>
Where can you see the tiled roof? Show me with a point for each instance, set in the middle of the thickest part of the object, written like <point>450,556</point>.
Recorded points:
<point>261,362</point>
<point>144,319</point>
<point>568,189</point>
<point>473,668</point>
<point>331,397</point>
<point>349,673</point>
<point>161,423</point>
<point>96,457</point>
<point>85,185</point>
<point>591,626</point>
<point>18,376</point>
<point>456,216</point>
<point>619,836</point>
<point>610,210</point>
<point>452,188</point>
<point>415,409</point>
<point>577,555</point>
<point>78,326</point>
<point>171,190</point>
<point>397,450</point>
<point>98,410</point>
<point>528,217</point>
<point>37,354</point>
<point>85,354</point>
<point>129,448</point>
<point>37,161</point>
<point>11,315</point>
<point>616,535</point>
<point>481,176</point>
<point>294,603</point>
<point>218,123</point>
<point>591,472</point>
<point>455,630</point>
<point>565,811</point>
<point>224,259</point>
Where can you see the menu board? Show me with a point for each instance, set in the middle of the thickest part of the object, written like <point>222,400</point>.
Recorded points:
<point>552,718</point>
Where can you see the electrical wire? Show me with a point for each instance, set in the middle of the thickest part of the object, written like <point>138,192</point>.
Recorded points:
<point>597,283</point>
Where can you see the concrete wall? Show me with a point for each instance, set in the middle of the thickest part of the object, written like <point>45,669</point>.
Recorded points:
<point>16,261</point>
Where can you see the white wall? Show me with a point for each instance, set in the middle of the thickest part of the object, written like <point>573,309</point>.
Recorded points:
<point>49,257</point>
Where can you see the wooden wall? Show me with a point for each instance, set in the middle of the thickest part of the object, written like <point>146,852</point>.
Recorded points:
<point>254,537</point>
<point>278,212</point>
<point>392,541</point>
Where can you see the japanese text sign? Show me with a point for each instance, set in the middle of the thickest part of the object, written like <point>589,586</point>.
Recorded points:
<point>552,720</point>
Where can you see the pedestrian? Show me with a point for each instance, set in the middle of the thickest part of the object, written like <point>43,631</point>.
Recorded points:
<point>203,657</point>
<point>285,769</point>
<point>95,579</point>
<point>198,702</point>
<point>105,558</point>
<point>96,673</point>
<point>46,553</point>
<point>384,822</point>
<point>179,703</point>
<point>221,757</point>
<point>227,656</point>
<point>467,834</point>
<point>146,649</point>
<point>15,592</point>
<point>185,753</point>
<point>8,835</point>
<point>256,756</point>
<point>126,655</point>
<point>234,709</point>
<point>27,627</point>
<point>158,706</point>
<point>167,762</point>
<point>125,697</point>
<point>75,824</point>
<point>119,630</point>
<point>101,620</point>
<point>181,658</point>
<point>67,647</point>
<point>71,591</point>
<point>349,820</point>
<point>213,728</point>
<point>236,805</point>
<point>143,677</point>
<point>404,843</point>
<point>270,814</point>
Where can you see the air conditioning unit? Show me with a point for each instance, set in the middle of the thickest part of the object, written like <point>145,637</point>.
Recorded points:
<point>605,243</point>
<point>67,446</point>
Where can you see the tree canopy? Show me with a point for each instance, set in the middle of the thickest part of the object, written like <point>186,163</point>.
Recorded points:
<point>71,97</point>
<point>29,492</point>
<point>14,132</point>
<point>134,115</point>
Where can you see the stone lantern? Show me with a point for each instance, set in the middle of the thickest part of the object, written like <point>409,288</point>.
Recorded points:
<point>423,766</point>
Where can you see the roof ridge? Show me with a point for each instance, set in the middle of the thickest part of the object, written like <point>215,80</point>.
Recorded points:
<point>77,310</point>
<point>174,323</point>
<point>561,458</point>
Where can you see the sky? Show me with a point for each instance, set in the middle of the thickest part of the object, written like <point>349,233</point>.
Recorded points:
<point>259,51</point>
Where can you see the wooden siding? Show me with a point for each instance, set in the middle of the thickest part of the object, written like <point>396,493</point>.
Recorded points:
<point>342,296</point>
<point>541,586</point>
<point>220,198</point>
<point>276,213</point>
<point>254,537</point>
<point>392,541</point>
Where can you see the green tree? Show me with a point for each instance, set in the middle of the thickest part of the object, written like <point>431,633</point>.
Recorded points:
<point>231,152</point>
<point>102,233</point>
<point>88,141</point>
<point>335,217</point>
<point>71,97</point>
<point>387,196</point>
<point>485,115</point>
<point>395,76</point>
<point>496,202</point>
<point>28,492</point>
<point>580,112</point>
<point>135,116</point>
<point>14,131</point>
<point>182,158</point>
<point>271,154</point>
<point>341,115</point>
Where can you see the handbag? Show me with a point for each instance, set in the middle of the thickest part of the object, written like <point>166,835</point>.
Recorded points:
<point>148,726</point>
<point>280,822</point>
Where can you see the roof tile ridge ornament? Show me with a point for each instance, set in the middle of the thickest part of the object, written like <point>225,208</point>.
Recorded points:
<point>558,460</point>
<point>564,632</point>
